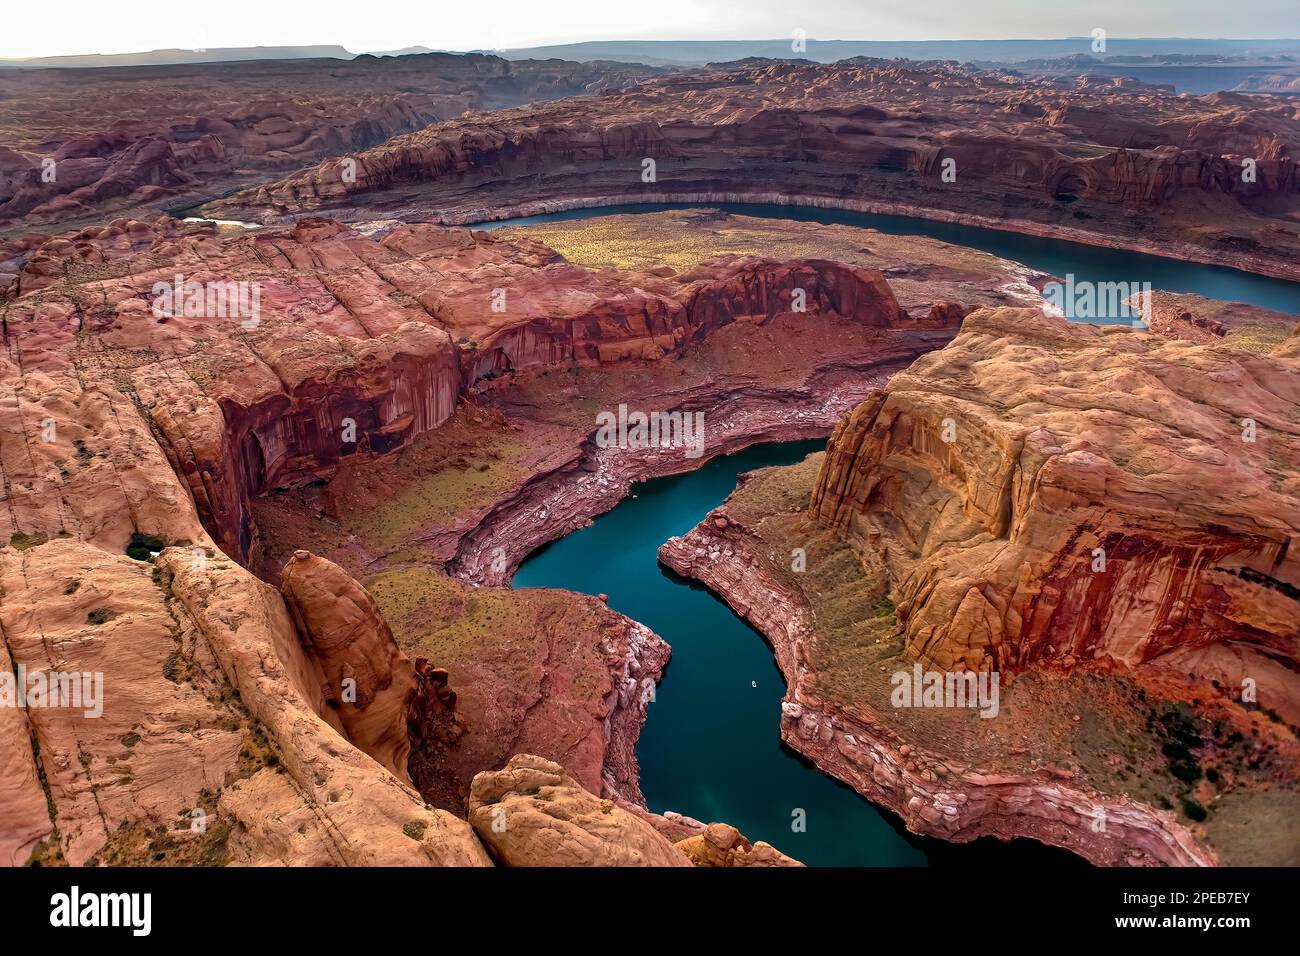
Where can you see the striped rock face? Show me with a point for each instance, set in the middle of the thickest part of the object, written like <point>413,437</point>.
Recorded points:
<point>1042,492</point>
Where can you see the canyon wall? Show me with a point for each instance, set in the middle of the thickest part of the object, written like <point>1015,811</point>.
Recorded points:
<point>192,131</point>
<point>1134,165</point>
<point>1050,493</point>
<point>361,343</point>
<point>203,713</point>
<point>932,786</point>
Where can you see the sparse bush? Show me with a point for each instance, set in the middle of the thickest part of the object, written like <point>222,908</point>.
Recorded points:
<point>142,547</point>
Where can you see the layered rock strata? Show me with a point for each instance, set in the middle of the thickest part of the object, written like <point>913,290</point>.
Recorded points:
<point>131,429</point>
<point>193,131</point>
<point>1096,510</point>
<point>1049,493</point>
<point>931,789</point>
<point>1132,167</point>
<point>359,344</point>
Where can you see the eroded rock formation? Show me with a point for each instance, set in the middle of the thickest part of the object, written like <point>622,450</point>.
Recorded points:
<point>137,431</point>
<point>357,344</point>
<point>722,845</point>
<point>368,681</point>
<point>533,814</point>
<point>193,131</point>
<point>1127,165</point>
<point>1051,493</point>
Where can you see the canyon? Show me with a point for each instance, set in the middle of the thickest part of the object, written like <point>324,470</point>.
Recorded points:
<point>930,542</point>
<point>270,474</point>
<point>162,137</point>
<point>1095,160</point>
<point>139,436</point>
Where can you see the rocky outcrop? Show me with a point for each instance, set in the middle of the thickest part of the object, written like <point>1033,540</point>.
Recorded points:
<point>1132,167</point>
<point>400,711</point>
<point>756,290</point>
<point>381,820</point>
<point>1194,318</point>
<point>368,681</point>
<point>1046,493</point>
<point>533,814</point>
<point>1164,314</point>
<point>189,702</point>
<point>722,845</point>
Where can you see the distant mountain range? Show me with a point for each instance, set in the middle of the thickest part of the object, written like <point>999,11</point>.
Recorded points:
<point>697,52</point>
<point>171,57</point>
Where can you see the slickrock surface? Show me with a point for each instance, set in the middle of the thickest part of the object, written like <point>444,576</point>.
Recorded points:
<point>1122,731</point>
<point>209,704</point>
<point>1127,166</point>
<point>208,720</point>
<point>533,814</point>
<point>1064,440</point>
<point>133,139</point>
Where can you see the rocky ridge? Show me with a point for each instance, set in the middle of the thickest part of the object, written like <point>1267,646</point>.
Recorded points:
<point>1121,496</point>
<point>1131,167</point>
<point>361,343</point>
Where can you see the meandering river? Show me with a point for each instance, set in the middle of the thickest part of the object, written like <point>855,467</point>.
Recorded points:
<point>711,744</point>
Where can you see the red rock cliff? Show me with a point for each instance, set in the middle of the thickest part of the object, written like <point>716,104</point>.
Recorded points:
<point>1041,491</point>
<point>361,344</point>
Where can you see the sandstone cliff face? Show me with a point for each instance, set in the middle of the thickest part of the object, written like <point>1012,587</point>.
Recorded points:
<point>360,344</point>
<point>368,681</point>
<point>400,711</point>
<point>1048,493</point>
<point>1106,165</point>
<point>381,821</point>
<point>937,788</point>
<point>208,708</point>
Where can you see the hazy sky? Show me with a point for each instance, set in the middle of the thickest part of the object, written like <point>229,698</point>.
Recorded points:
<point>121,26</point>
